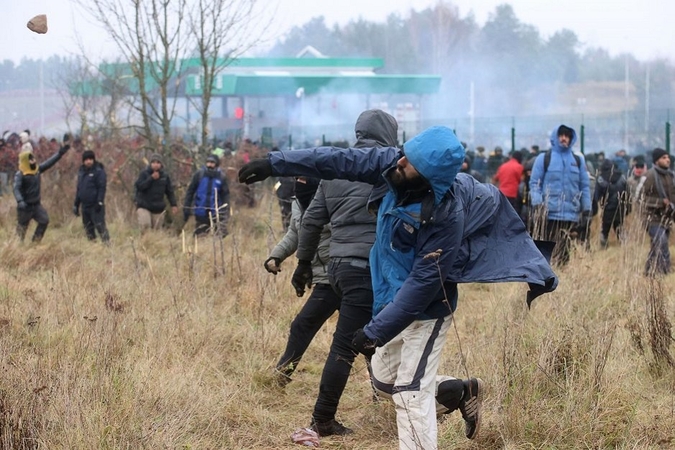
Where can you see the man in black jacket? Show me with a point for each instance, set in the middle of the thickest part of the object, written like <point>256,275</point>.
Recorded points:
<point>91,185</point>
<point>27,191</point>
<point>152,185</point>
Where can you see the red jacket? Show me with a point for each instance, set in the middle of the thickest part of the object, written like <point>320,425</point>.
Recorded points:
<point>508,175</point>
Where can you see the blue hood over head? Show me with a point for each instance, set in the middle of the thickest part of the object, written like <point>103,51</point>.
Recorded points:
<point>437,155</point>
<point>555,145</point>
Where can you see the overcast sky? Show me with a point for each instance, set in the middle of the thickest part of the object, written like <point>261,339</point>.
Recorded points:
<point>645,28</point>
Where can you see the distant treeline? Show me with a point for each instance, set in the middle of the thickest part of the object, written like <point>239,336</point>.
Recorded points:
<point>513,68</point>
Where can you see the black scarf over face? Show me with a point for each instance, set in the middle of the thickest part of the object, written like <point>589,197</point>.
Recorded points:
<point>305,188</point>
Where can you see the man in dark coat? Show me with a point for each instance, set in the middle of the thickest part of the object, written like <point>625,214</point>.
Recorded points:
<point>152,185</point>
<point>208,198</point>
<point>27,190</point>
<point>91,186</point>
<point>658,207</point>
<point>611,194</point>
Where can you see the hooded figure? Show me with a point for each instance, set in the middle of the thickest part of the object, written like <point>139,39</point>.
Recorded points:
<point>560,191</point>
<point>435,228</point>
<point>27,189</point>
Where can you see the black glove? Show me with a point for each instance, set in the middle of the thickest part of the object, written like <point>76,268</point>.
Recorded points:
<point>274,268</point>
<point>256,170</point>
<point>302,277</point>
<point>363,344</point>
<point>98,207</point>
<point>585,218</point>
<point>76,210</point>
<point>22,205</point>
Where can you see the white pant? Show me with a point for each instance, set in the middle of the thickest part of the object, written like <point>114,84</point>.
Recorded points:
<point>406,368</point>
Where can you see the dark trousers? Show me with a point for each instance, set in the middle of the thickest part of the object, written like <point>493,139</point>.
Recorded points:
<point>611,219</point>
<point>658,259</point>
<point>35,212</point>
<point>559,231</point>
<point>320,305</point>
<point>204,226</point>
<point>94,221</point>
<point>351,281</point>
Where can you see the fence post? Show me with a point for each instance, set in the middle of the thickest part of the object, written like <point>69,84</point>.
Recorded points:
<point>582,134</point>
<point>513,136</point>
<point>290,141</point>
<point>668,133</point>
<point>323,140</point>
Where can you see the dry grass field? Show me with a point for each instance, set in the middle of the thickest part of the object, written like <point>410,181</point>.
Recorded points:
<point>153,343</point>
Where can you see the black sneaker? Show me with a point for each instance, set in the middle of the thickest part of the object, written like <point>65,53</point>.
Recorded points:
<point>330,427</point>
<point>470,406</point>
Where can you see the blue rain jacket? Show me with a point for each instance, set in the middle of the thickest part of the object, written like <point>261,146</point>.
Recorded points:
<point>564,186</point>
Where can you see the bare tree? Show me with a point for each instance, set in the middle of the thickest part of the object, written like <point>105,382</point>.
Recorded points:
<point>221,30</point>
<point>152,38</point>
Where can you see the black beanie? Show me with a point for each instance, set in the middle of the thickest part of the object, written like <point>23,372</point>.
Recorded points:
<point>88,154</point>
<point>657,154</point>
<point>214,159</point>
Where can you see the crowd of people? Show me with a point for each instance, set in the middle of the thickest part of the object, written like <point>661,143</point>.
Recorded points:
<point>558,192</point>
<point>384,234</point>
<point>207,197</point>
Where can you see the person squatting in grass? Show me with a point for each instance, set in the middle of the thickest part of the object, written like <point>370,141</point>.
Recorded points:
<point>27,190</point>
<point>435,228</point>
<point>322,302</point>
<point>210,194</point>
<point>90,194</point>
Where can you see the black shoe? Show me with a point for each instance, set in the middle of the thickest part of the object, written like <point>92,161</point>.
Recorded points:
<point>330,427</point>
<point>470,406</point>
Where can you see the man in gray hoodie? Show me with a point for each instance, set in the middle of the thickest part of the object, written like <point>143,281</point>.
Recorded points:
<point>343,205</point>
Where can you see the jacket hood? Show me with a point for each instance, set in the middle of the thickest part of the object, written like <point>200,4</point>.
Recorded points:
<point>555,145</point>
<point>24,164</point>
<point>437,155</point>
<point>376,128</point>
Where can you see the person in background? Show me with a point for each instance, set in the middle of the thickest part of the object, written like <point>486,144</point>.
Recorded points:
<point>508,177</point>
<point>152,185</point>
<point>611,194</point>
<point>658,209</point>
<point>560,192</point>
<point>27,190</point>
<point>208,198</point>
<point>90,194</point>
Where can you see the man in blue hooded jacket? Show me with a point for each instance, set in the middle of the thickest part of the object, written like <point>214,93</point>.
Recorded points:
<point>435,228</point>
<point>208,197</point>
<point>560,192</point>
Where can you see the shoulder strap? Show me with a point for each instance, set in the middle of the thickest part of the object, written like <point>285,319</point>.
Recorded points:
<point>547,160</point>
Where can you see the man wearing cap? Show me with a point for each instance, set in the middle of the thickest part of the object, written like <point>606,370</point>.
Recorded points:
<point>152,185</point>
<point>90,194</point>
<point>208,198</point>
<point>658,206</point>
<point>560,192</point>
<point>27,190</point>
